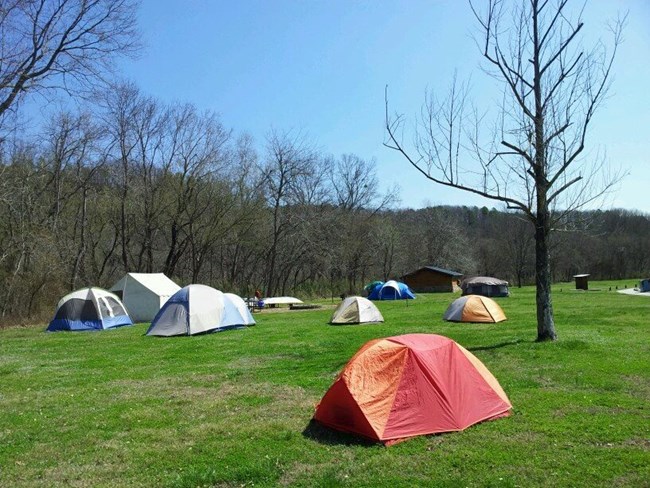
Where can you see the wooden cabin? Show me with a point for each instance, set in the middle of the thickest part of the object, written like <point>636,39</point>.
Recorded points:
<point>431,279</point>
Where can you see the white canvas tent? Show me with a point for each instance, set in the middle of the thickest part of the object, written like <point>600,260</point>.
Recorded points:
<point>144,294</point>
<point>356,310</point>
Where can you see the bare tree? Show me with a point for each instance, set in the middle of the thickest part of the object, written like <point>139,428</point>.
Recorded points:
<point>518,246</point>
<point>290,158</point>
<point>51,44</point>
<point>358,200</point>
<point>152,156</point>
<point>387,238</point>
<point>355,183</point>
<point>533,160</point>
<point>238,257</point>
<point>123,102</point>
<point>71,162</point>
<point>200,142</point>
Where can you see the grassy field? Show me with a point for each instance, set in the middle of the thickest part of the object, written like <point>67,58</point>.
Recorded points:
<point>117,408</point>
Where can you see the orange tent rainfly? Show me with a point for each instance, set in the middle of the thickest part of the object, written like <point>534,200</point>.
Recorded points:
<point>474,308</point>
<point>411,385</point>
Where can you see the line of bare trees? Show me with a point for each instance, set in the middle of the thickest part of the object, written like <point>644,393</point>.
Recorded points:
<point>137,185</point>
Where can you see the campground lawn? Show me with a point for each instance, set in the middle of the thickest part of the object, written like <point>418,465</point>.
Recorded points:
<point>117,408</point>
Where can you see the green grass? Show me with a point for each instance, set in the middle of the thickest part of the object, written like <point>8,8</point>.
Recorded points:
<point>117,408</point>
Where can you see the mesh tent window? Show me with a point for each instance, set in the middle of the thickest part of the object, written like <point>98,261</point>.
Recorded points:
<point>116,308</point>
<point>77,308</point>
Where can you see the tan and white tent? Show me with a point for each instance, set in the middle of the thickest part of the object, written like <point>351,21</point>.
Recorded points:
<point>144,294</point>
<point>474,308</point>
<point>356,310</point>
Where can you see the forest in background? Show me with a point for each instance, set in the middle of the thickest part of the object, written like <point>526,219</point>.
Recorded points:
<point>124,182</point>
<point>135,185</point>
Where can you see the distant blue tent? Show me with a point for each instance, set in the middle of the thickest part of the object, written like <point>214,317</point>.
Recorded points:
<point>371,286</point>
<point>645,285</point>
<point>391,290</point>
<point>89,309</point>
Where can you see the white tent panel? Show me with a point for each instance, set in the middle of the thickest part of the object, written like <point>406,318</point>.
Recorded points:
<point>236,312</point>
<point>156,282</point>
<point>206,308</point>
<point>368,311</point>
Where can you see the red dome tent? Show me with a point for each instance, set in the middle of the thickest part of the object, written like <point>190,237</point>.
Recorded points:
<point>411,385</point>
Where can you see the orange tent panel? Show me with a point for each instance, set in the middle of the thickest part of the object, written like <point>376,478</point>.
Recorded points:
<point>485,373</point>
<point>343,412</point>
<point>373,379</point>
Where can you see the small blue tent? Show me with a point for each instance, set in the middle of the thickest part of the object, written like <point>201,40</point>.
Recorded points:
<point>645,285</point>
<point>89,309</point>
<point>391,290</point>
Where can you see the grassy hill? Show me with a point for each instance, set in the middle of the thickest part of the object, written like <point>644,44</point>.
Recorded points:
<point>117,408</point>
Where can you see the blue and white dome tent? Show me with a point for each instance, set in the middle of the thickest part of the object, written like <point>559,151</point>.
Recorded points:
<point>89,309</point>
<point>198,309</point>
<point>391,290</point>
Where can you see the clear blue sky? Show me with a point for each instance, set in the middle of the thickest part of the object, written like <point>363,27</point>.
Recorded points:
<point>320,67</point>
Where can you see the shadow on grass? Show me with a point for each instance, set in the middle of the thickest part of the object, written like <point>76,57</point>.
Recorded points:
<point>498,346</point>
<point>325,435</point>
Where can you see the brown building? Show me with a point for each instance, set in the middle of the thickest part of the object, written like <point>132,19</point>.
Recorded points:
<point>432,279</point>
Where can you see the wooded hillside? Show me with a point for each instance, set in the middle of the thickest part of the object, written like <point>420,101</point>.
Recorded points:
<point>139,186</point>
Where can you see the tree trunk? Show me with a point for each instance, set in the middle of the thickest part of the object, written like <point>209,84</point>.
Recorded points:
<point>6,306</point>
<point>273,252</point>
<point>170,261</point>
<point>123,219</point>
<point>545,320</point>
<point>81,251</point>
<point>270,284</point>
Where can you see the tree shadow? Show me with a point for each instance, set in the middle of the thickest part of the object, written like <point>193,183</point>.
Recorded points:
<point>324,435</point>
<point>497,346</point>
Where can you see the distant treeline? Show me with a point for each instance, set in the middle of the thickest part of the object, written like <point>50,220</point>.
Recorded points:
<point>144,187</point>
